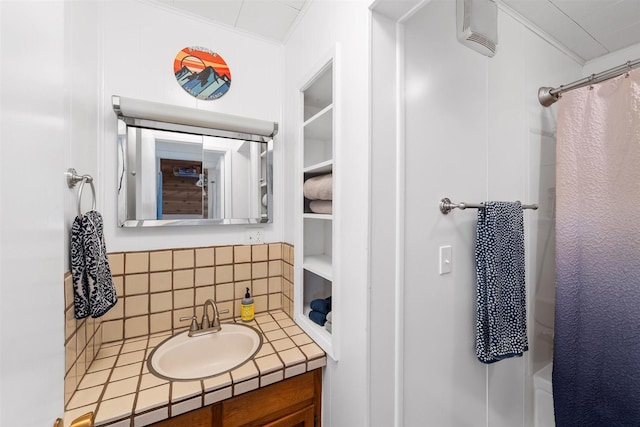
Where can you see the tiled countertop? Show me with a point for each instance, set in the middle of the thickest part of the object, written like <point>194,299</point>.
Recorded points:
<point>119,389</point>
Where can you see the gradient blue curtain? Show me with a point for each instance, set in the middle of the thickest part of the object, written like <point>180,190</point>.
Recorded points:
<point>596,370</point>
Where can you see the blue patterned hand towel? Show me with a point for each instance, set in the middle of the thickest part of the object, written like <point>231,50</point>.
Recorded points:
<point>93,290</point>
<point>501,322</point>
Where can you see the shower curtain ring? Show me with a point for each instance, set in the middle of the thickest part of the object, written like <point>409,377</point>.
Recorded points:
<point>626,75</point>
<point>593,76</point>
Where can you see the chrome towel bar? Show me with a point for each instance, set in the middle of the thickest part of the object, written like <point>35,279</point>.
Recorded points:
<point>446,206</point>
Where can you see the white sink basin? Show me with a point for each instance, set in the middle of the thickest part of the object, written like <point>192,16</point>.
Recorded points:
<point>192,358</point>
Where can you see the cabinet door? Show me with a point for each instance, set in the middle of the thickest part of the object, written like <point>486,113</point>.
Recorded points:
<point>301,418</point>
<point>272,402</point>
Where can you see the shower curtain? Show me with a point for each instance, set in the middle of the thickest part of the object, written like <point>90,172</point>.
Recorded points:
<point>596,369</point>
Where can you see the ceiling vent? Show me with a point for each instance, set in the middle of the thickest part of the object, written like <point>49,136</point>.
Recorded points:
<point>477,25</point>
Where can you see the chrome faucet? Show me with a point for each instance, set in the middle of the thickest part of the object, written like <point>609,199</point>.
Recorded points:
<point>206,326</point>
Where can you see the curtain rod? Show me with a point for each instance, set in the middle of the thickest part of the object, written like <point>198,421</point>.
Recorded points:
<point>548,96</point>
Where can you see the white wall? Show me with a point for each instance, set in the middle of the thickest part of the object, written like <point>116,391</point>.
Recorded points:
<point>33,134</point>
<point>474,131</point>
<point>82,82</point>
<point>138,42</point>
<point>382,230</point>
<point>611,60</point>
<point>323,25</point>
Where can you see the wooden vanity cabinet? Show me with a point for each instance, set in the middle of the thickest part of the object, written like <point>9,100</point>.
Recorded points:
<point>295,402</point>
<point>302,418</point>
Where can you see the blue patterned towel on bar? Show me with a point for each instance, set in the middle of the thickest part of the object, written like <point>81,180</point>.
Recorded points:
<point>501,322</point>
<point>93,290</point>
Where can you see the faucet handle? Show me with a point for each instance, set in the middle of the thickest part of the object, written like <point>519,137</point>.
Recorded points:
<point>194,323</point>
<point>216,321</point>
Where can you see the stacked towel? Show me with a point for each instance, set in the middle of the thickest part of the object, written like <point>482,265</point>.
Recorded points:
<point>329,323</point>
<point>318,317</point>
<point>93,289</point>
<point>319,187</point>
<point>501,322</point>
<point>319,310</point>
<point>321,206</point>
<point>321,305</point>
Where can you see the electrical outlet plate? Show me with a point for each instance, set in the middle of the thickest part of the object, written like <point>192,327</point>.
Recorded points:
<point>254,236</point>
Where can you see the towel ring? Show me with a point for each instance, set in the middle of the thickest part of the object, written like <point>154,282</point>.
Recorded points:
<point>86,178</point>
<point>72,179</point>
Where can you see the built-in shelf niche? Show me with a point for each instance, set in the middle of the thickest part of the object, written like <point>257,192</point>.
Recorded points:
<point>318,245</point>
<point>316,286</point>
<point>319,94</point>
<point>318,141</point>
<point>315,275</point>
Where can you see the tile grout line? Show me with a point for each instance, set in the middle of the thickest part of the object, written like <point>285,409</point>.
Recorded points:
<point>140,375</point>
<point>107,382</point>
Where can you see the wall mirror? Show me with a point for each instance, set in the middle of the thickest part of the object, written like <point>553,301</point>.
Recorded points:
<point>182,166</point>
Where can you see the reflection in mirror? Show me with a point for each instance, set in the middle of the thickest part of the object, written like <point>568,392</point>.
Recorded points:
<point>181,174</point>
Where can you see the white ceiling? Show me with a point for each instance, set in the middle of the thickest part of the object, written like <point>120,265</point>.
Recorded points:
<point>588,28</point>
<point>271,19</point>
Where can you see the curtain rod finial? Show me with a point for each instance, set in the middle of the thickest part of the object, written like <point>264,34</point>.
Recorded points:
<point>545,97</point>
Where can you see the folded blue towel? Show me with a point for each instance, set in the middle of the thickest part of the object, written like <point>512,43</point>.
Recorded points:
<point>501,322</point>
<point>93,289</point>
<point>321,305</point>
<point>319,318</point>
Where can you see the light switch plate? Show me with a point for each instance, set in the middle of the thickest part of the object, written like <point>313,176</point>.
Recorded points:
<point>445,259</point>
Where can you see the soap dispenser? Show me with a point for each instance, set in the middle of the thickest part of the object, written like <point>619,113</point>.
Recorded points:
<point>247,308</point>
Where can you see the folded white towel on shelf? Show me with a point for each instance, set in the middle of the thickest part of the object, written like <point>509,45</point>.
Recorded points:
<point>321,206</point>
<point>319,187</point>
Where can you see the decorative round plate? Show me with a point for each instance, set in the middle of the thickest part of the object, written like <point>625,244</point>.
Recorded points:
<point>202,72</point>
